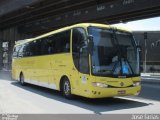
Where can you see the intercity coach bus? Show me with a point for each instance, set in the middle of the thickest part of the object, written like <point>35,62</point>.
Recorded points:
<point>87,59</point>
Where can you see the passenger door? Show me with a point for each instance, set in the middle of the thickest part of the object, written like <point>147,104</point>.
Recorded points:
<point>81,59</point>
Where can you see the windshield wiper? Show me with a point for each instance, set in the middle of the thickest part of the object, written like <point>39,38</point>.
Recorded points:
<point>121,55</point>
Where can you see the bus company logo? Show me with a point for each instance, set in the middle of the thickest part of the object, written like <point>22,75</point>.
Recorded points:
<point>121,84</point>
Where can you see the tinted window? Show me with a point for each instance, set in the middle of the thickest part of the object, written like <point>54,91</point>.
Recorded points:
<point>80,50</point>
<point>61,42</point>
<point>57,43</point>
<point>34,48</point>
<point>30,49</point>
<point>20,52</point>
<point>47,46</point>
<point>15,51</point>
<point>38,47</point>
<point>26,50</point>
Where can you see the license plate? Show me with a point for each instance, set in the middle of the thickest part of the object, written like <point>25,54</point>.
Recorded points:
<point>121,92</point>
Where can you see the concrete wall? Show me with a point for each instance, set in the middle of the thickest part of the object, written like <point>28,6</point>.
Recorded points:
<point>152,50</point>
<point>1,53</point>
<point>9,35</point>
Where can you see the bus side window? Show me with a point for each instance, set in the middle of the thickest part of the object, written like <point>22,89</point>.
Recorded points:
<point>26,50</point>
<point>38,47</point>
<point>80,50</point>
<point>51,44</point>
<point>33,49</point>
<point>20,52</point>
<point>15,51</point>
<point>59,43</point>
<point>65,40</point>
<point>44,46</point>
<point>62,42</point>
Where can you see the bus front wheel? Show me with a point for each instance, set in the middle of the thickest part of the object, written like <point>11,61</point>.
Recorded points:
<point>66,88</point>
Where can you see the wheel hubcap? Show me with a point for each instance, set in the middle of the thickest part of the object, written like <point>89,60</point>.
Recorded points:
<point>66,88</point>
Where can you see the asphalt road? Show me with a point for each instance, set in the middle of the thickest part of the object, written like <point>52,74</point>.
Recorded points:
<point>15,98</point>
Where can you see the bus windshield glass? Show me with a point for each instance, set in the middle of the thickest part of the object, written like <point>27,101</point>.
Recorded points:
<point>114,53</point>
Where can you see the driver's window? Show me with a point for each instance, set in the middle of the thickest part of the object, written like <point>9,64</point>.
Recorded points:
<point>80,50</point>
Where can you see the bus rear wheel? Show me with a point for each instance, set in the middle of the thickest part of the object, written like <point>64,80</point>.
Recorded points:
<point>22,79</point>
<point>66,89</point>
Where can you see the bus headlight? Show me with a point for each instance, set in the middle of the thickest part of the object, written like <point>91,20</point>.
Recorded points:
<point>137,83</point>
<point>102,85</point>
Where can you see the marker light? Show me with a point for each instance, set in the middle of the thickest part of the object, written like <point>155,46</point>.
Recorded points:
<point>137,83</point>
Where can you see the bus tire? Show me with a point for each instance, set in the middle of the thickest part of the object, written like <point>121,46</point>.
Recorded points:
<point>66,88</point>
<point>21,79</point>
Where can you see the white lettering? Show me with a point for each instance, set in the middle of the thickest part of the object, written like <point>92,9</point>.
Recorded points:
<point>137,117</point>
<point>100,8</point>
<point>9,117</point>
<point>151,117</point>
<point>127,2</point>
<point>76,13</point>
<point>145,117</point>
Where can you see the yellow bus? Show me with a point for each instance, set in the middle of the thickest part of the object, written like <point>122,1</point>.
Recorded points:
<point>87,59</point>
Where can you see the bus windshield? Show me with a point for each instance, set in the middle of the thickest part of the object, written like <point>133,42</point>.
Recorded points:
<point>114,53</point>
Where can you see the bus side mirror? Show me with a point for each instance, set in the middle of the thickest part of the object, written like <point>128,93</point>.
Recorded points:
<point>91,44</point>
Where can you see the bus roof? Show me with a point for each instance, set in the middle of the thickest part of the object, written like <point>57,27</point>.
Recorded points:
<point>70,27</point>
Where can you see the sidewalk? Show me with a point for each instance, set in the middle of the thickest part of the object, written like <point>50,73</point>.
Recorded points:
<point>157,75</point>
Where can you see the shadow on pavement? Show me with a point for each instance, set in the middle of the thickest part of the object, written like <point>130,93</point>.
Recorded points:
<point>95,105</point>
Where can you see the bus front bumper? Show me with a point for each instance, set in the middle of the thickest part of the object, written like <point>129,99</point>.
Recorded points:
<point>112,92</point>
